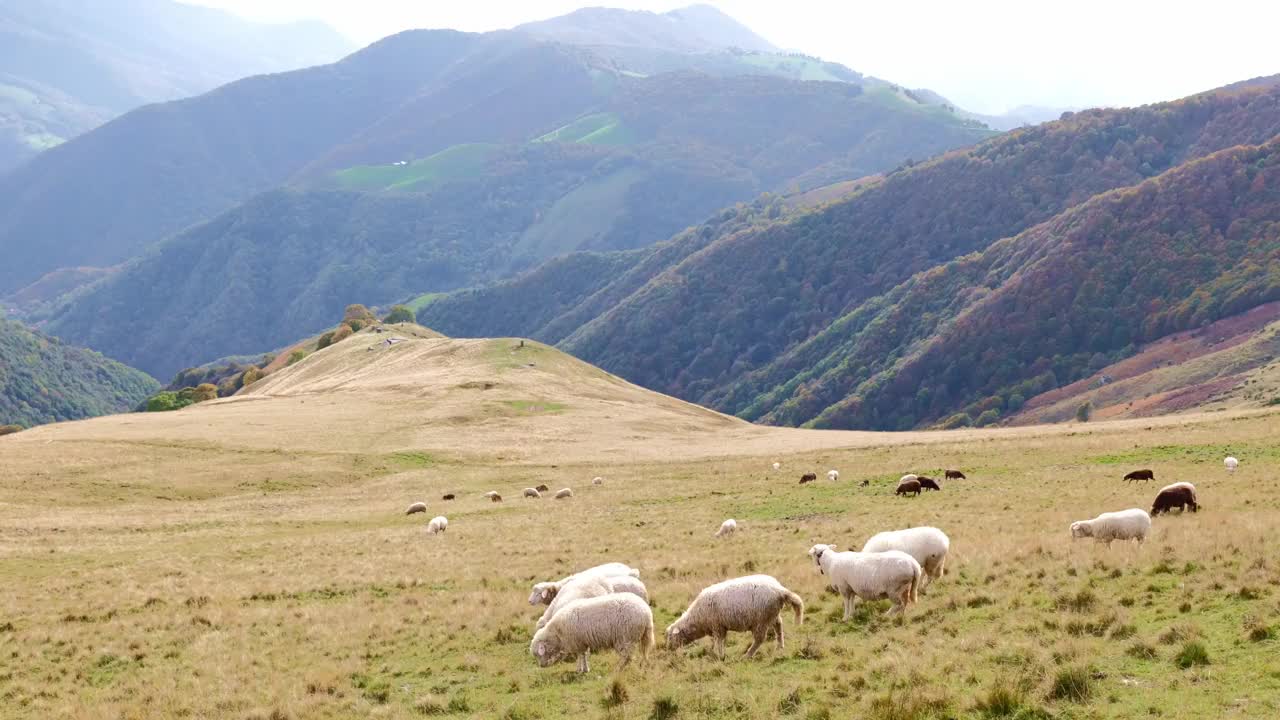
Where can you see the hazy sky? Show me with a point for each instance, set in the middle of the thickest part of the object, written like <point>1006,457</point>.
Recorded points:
<point>985,55</point>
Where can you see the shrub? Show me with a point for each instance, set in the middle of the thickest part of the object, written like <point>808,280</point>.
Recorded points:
<point>204,392</point>
<point>1193,653</point>
<point>1074,684</point>
<point>958,420</point>
<point>999,702</point>
<point>399,314</point>
<point>358,312</point>
<point>296,356</point>
<point>342,333</point>
<point>617,694</point>
<point>664,708</point>
<point>10,429</point>
<point>250,376</point>
<point>1084,412</point>
<point>166,401</point>
<point>325,341</point>
<point>989,417</point>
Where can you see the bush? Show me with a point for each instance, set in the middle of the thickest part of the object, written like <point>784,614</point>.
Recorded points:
<point>958,420</point>
<point>250,376</point>
<point>325,341</point>
<point>342,333</point>
<point>400,314</point>
<point>1192,654</point>
<point>10,429</point>
<point>360,313</point>
<point>296,356</point>
<point>166,401</point>
<point>989,417</point>
<point>1084,412</point>
<point>205,392</point>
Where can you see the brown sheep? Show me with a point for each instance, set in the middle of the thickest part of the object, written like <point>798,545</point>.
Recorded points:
<point>955,475</point>
<point>1178,495</point>
<point>808,478</point>
<point>495,498</point>
<point>908,487</point>
<point>1141,475</point>
<point>542,488</point>
<point>928,483</point>
<point>865,483</point>
<point>450,496</point>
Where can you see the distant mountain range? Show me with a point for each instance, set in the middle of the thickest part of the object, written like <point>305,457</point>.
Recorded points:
<point>694,29</point>
<point>67,66</point>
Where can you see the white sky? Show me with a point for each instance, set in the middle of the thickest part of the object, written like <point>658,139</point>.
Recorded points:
<point>985,56</point>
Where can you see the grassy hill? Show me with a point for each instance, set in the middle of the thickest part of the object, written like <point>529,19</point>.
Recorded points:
<point>43,380</point>
<point>71,66</point>
<point>694,29</point>
<point>270,525</point>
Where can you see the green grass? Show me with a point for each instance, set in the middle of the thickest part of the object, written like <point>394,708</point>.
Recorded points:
<point>585,213</point>
<point>422,301</point>
<point>536,407</point>
<point>797,68</point>
<point>455,163</point>
<point>596,129</point>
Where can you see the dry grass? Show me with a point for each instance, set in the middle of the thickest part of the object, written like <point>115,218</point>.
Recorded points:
<point>249,558</point>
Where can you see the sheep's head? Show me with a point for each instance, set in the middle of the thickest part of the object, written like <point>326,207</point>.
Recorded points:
<point>543,593</point>
<point>1081,529</point>
<point>817,551</point>
<point>545,648</point>
<point>678,635</point>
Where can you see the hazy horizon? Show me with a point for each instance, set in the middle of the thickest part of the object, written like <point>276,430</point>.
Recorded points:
<point>1004,56</point>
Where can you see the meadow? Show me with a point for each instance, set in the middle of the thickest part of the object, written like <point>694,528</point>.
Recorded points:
<point>249,558</point>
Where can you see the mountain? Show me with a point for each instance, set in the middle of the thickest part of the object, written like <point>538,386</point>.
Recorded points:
<point>43,380</point>
<point>694,29</point>
<point>68,66</point>
<point>787,322</point>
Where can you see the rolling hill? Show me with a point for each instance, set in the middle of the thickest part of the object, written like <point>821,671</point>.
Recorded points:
<point>67,67</point>
<point>694,29</point>
<point>44,380</point>
<point>766,313</point>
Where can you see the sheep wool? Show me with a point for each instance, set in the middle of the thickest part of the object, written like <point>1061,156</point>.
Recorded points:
<point>418,507</point>
<point>928,545</point>
<point>564,493</point>
<point>833,474</point>
<point>1131,524</point>
<point>1231,464</point>
<point>597,481</point>
<point>532,493</point>
<point>544,592</point>
<point>617,621</point>
<point>746,604</point>
<point>588,586</point>
<point>728,527</point>
<point>438,524</point>
<point>892,575</point>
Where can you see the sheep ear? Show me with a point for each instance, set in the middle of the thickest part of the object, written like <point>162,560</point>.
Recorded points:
<point>675,631</point>
<point>542,650</point>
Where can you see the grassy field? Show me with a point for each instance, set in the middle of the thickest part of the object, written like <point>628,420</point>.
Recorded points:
<point>248,558</point>
<point>455,163</point>
<point>597,129</point>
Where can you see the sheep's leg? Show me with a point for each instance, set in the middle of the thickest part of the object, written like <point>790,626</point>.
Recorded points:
<point>583,665</point>
<point>758,636</point>
<point>624,652</point>
<point>717,643</point>
<point>777,627</point>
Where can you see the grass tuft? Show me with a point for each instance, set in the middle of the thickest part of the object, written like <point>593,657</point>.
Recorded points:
<point>1074,684</point>
<point>1192,654</point>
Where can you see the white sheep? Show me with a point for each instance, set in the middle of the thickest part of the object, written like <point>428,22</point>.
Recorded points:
<point>532,493</point>
<point>564,493</point>
<point>588,586</point>
<point>928,545</point>
<point>618,621</point>
<point>418,507</point>
<point>747,604</point>
<point>908,477</point>
<point>597,481</point>
<point>833,475</point>
<point>777,466</point>
<point>728,527</point>
<point>438,524</point>
<point>891,575</point>
<point>1231,463</point>
<point>1131,524</point>
<point>492,494</point>
<point>544,592</point>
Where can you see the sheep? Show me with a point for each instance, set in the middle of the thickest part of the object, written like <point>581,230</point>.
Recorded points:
<point>438,524</point>
<point>588,586</point>
<point>746,604</point>
<point>908,477</point>
<point>564,493</point>
<point>865,483</point>
<point>542,488</point>
<point>495,498</point>
<point>954,475</point>
<point>728,527</point>
<point>908,487</point>
<point>1140,475</point>
<point>777,466</point>
<point>617,621</point>
<point>928,483</point>
<point>544,592</point>
<point>808,478</point>
<point>928,545</point>
<point>1180,495</point>
<point>1131,524</point>
<point>532,493</point>
<point>597,481</point>
<point>1231,464</point>
<point>418,507</point>
<point>892,575</point>
<point>449,496</point>
<point>833,475</point>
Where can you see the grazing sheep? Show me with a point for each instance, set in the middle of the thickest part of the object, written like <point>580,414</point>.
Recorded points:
<point>492,494</point>
<point>438,524</point>
<point>1132,524</point>
<point>450,496</point>
<point>833,475</point>
<point>928,483</point>
<point>1141,475</point>
<point>418,507</point>
<point>563,493</point>
<point>928,545</point>
<point>542,488</point>
<point>532,493</point>
<point>597,481</point>
<point>1231,464</point>
<point>728,527</point>
<point>954,475</point>
<point>864,483</point>
<point>1178,495</point>
<point>617,621</point>
<point>747,604</point>
<point>495,498</point>
<point>808,478</point>
<point>588,586</point>
<point>891,575</point>
<point>544,592</point>
<point>908,476</point>
<point>777,466</point>
<point>908,487</point>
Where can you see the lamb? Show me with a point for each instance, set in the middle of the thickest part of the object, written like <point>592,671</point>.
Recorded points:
<point>892,575</point>
<point>588,586</point>
<point>532,493</point>
<point>747,604</point>
<point>1231,464</point>
<point>542,488</point>
<point>833,475</point>
<point>597,481</point>
<point>418,507</point>
<point>728,527</point>
<point>564,493</point>
<point>928,483</point>
<point>808,478</point>
<point>928,545</point>
<point>1140,475</point>
<point>908,487</point>
<point>954,475</point>
<point>544,592</point>
<point>449,496</point>
<point>617,621</point>
<point>438,524</point>
<point>1131,524</point>
<point>1180,495</point>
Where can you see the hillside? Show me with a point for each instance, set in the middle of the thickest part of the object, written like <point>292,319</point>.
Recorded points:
<point>67,67</point>
<point>697,28</point>
<point>43,380</point>
<point>761,308</point>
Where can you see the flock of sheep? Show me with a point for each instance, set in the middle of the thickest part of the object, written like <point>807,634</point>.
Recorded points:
<point>440,523</point>
<point>607,607</point>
